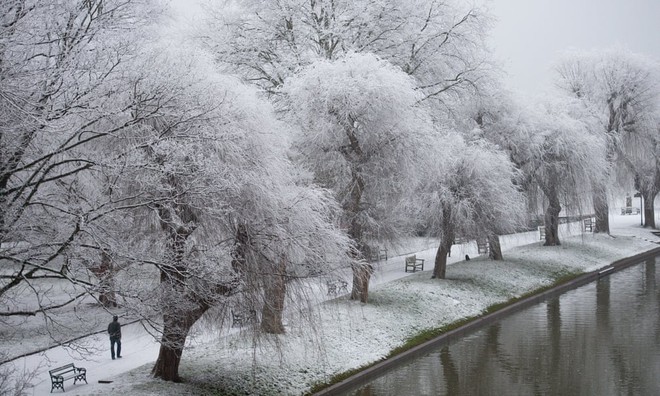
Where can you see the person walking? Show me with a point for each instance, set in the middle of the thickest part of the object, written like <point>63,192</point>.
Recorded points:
<point>114,330</point>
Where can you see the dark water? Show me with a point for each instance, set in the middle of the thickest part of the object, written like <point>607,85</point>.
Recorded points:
<point>600,339</point>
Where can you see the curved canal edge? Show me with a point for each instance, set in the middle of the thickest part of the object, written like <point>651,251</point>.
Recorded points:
<point>473,324</point>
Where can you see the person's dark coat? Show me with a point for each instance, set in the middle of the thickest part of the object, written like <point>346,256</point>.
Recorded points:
<point>114,329</point>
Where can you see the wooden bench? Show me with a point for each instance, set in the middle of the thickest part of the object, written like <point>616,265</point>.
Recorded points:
<point>414,264</point>
<point>378,254</point>
<point>483,246</point>
<point>542,232</point>
<point>61,374</point>
<point>588,224</point>
<point>630,210</point>
<point>239,318</point>
<point>336,286</point>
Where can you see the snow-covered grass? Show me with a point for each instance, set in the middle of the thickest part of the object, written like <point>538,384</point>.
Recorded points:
<point>346,335</point>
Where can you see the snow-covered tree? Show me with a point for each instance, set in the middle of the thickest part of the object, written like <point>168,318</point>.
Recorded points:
<point>470,192</point>
<point>363,135</point>
<point>559,147</point>
<point>129,174</point>
<point>14,382</point>
<point>62,68</point>
<point>228,214</point>
<point>640,155</point>
<point>493,115</point>
<point>440,43</point>
<point>621,86</point>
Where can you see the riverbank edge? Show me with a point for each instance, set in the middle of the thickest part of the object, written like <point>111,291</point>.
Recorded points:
<point>467,325</point>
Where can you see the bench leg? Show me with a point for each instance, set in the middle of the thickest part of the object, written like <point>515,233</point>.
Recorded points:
<point>57,385</point>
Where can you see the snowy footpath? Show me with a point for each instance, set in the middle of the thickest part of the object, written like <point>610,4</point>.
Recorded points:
<point>92,353</point>
<point>139,348</point>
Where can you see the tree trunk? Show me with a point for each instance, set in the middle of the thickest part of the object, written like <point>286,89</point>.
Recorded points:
<point>275,293</point>
<point>361,275</point>
<point>352,209</point>
<point>169,357</point>
<point>177,324</point>
<point>601,211</point>
<point>181,306</point>
<point>531,189</point>
<point>180,314</point>
<point>495,252</point>
<point>448,236</point>
<point>362,270</point>
<point>552,217</point>
<point>649,210</point>
<point>440,267</point>
<point>105,273</point>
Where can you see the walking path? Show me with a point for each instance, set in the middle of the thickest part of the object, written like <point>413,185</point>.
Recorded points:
<point>138,348</point>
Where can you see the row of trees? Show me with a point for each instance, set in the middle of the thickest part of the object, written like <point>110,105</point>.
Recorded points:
<point>622,89</point>
<point>283,144</point>
<point>138,174</point>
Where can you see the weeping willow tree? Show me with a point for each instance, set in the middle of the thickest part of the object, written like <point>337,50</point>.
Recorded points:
<point>639,158</point>
<point>225,212</point>
<point>621,87</point>
<point>563,154</point>
<point>471,193</point>
<point>555,145</point>
<point>362,133</point>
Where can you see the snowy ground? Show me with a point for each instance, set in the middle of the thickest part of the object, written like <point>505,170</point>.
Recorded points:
<point>341,334</point>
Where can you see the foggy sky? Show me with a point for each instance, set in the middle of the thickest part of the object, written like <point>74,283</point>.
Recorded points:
<point>530,35</point>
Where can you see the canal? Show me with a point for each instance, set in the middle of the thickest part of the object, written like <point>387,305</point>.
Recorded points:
<point>600,339</point>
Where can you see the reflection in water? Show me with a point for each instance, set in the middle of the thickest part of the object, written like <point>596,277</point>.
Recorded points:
<point>449,370</point>
<point>600,339</point>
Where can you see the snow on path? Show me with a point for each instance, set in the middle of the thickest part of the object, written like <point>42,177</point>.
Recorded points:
<point>140,348</point>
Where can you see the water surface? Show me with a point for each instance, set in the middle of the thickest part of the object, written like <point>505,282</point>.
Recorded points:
<point>600,339</point>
